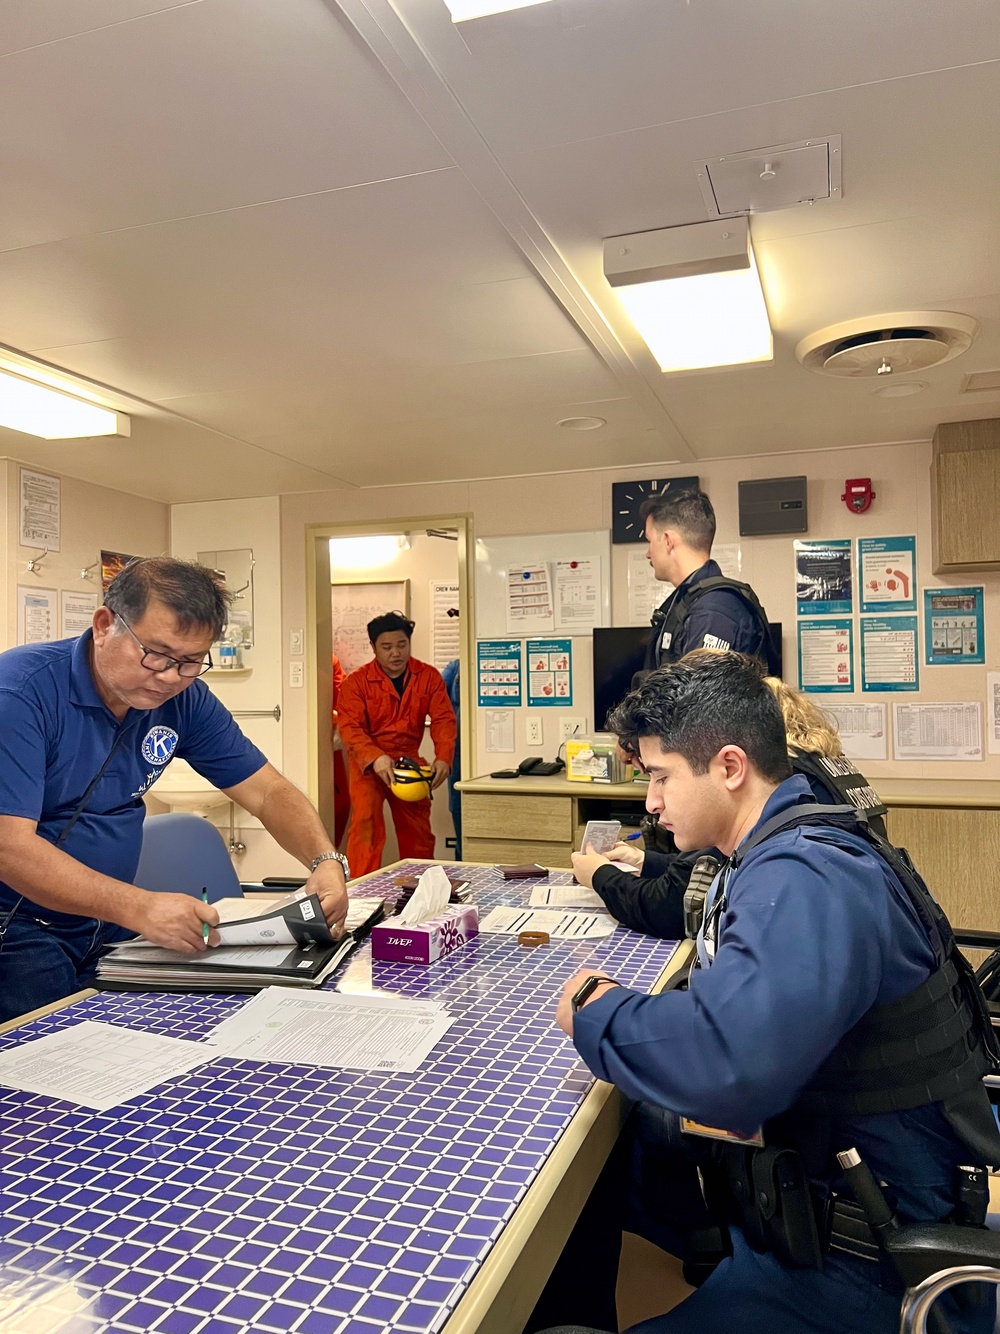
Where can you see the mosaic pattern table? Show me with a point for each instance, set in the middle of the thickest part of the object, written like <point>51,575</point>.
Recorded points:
<point>279,1199</point>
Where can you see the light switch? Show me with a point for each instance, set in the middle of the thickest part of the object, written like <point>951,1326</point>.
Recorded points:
<point>295,674</point>
<point>296,643</point>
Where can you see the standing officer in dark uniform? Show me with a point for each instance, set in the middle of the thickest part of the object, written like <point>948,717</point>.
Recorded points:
<point>826,969</point>
<point>705,610</point>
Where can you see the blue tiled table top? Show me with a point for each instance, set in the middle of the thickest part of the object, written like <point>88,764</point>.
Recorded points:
<point>279,1199</point>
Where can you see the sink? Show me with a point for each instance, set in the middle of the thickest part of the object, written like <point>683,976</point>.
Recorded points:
<point>182,789</point>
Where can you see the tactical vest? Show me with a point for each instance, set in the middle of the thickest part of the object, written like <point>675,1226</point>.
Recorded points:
<point>932,1046</point>
<point>839,775</point>
<point>666,624</point>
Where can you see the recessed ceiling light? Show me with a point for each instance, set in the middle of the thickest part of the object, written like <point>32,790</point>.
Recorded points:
<point>477,9</point>
<point>583,423</point>
<point>900,388</point>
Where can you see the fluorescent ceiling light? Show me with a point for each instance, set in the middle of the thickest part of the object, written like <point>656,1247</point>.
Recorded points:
<point>477,9</point>
<point>693,293</point>
<point>364,553</point>
<point>38,409</point>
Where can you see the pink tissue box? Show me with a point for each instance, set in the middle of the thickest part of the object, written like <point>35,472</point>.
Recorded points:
<point>426,942</point>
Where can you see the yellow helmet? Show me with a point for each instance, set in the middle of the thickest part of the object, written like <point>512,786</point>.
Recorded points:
<point>411,781</point>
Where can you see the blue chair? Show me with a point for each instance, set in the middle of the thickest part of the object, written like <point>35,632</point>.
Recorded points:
<point>182,852</point>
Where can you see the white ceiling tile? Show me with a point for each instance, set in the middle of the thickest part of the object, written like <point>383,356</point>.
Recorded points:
<point>28,23</point>
<point>195,108</point>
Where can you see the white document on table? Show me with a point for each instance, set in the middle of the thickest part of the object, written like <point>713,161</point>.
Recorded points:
<point>557,925</point>
<point>99,1065</point>
<point>328,1029</point>
<point>565,896</point>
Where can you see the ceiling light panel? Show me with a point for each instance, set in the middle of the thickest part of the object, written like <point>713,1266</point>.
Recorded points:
<point>693,293</point>
<point>37,409</point>
<point>477,9</point>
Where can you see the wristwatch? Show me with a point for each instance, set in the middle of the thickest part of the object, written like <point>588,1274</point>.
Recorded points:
<point>587,989</point>
<point>331,857</point>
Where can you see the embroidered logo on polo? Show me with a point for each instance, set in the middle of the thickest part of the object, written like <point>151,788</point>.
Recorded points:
<point>159,744</point>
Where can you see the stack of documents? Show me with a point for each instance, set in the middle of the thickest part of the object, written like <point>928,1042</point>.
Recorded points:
<point>284,942</point>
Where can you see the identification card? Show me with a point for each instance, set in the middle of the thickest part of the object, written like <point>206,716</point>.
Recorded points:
<point>754,1141</point>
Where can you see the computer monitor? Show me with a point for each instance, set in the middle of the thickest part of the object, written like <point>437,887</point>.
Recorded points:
<point>619,652</point>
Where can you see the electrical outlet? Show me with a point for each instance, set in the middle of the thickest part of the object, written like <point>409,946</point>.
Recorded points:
<point>295,677</point>
<point>572,727</point>
<point>296,643</point>
<point>533,729</point>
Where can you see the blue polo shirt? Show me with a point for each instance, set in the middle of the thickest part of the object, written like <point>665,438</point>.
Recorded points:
<point>56,732</point>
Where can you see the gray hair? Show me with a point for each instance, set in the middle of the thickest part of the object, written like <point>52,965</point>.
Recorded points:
<point>196,595</point>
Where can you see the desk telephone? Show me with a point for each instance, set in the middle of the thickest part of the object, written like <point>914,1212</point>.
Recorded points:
<point>533,767</point>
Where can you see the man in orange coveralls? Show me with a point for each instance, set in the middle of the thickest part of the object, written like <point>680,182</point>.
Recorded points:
<point>381,710</point>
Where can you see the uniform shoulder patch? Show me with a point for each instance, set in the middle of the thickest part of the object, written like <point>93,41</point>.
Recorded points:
<point>713,641</point>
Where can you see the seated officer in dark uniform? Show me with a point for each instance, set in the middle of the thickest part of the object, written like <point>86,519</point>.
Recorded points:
<point>653,900</point>
<point>705,610</point>
<point>87,726</point>
<point>827,974</point>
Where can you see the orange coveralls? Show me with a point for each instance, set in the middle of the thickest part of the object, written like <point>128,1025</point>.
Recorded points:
<point>341,796</point>
<point>375,721</point>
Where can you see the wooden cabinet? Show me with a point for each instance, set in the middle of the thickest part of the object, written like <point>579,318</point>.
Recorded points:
<point>957,851</point>
<point>965,496</point>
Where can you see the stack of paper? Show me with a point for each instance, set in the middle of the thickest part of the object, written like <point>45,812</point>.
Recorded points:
<point>287,945</point>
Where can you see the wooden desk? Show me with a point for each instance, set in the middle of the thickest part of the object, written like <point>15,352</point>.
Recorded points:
<point>257,1197</point>
<point>539,819</point>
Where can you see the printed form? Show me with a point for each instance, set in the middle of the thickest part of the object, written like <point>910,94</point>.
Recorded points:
<point>356,1032</point>
<point>99,1065</point>
<point>557,925</point>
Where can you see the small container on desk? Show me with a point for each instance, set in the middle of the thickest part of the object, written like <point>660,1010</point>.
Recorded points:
<point>426,942</point>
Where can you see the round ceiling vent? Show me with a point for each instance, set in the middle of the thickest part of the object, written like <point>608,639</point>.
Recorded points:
<point>887,344</point>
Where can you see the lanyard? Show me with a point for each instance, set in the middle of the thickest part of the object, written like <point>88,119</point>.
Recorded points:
<point>64,833</point>
<point>715,901</point>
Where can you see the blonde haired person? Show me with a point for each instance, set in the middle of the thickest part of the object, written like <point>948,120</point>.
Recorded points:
<point>653,900</point>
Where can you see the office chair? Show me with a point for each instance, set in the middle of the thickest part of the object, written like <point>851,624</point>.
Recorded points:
<point>182,852</point>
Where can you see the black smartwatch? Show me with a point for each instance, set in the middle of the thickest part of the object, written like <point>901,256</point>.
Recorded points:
<point>587,989</point>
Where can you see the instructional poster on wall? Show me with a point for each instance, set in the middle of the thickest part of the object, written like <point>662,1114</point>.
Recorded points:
<point>76,612</point>
<point>953,626</point>
<point>36,615</point>
<point>889,653</point>
<point>861,728</point>
<point>529,599</point>
<point>444,623</point>
<point>823,583</point>
<point>40,505</point>
<point>550,672</point>
<point>826,656</point>
<point>499,727</point>
<point>729,558</point>
<point>993,712</point>
<point>645,592</point>
<point>577,588</point>
<point>887,568</point>
<point>498,672</point>
<point>939,731</point>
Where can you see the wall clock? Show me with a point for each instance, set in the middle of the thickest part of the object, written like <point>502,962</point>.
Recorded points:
<point>627,499</point>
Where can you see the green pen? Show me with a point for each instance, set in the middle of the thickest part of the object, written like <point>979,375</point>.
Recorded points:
<point>205,928</point>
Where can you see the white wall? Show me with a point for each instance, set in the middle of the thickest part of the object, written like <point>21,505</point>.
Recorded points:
<point>581,501</point>
<point>224,526</point>
<point>93,518</point>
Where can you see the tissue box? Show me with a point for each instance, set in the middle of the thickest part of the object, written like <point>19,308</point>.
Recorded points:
<point>426,942</point>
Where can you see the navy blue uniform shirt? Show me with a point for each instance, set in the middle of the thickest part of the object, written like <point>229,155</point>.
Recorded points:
<point>816,930</point>
<point>56,732</point>
<point>717,620</point>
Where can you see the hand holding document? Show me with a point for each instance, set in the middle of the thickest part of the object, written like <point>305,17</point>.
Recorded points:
<point>358,1032</point>
<point>99,1065</point>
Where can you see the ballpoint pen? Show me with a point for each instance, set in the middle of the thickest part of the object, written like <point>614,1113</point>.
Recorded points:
<point>630,838</point>
<point>205,928</point>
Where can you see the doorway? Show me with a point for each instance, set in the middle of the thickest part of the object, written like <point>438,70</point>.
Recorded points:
<point>352,569</point>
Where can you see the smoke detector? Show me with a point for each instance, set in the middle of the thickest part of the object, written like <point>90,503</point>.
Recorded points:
<point>883,345</point>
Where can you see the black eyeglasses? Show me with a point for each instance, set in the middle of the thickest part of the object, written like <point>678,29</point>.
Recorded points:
<point>162,662</point>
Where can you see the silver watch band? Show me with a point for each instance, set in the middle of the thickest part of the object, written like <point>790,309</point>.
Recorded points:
<point>331,857</point>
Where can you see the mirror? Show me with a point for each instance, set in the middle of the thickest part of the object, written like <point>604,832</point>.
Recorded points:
<point>236,567</point>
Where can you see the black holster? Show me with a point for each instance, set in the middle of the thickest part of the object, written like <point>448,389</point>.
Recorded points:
<point>766,1193</point>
